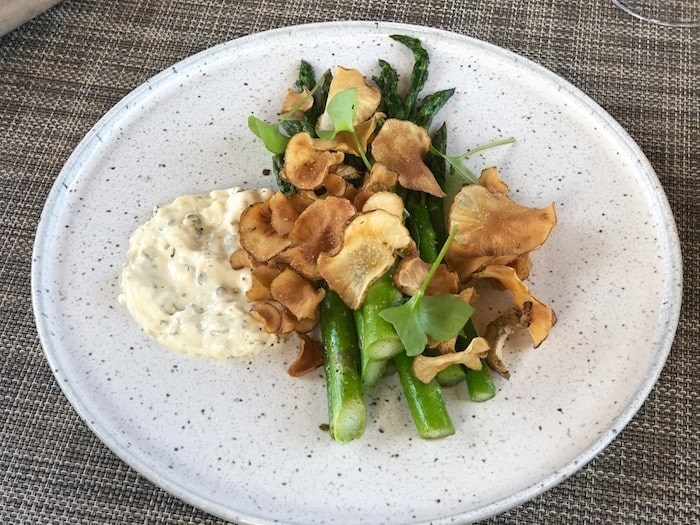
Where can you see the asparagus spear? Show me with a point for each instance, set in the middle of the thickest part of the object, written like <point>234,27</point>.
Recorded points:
<point>378,339</point>
<point>420,226</point>
<point>284,186</point>
<point>437,165</point>
<point>428,107</point>
<point>479,383</point>
<point>292,127</point>
<point>306,77</point>
<point>425,237</point>
<point>424,401</point>
<point>320,98</point>
<point>419,74</point>
<point>371,370</point>
<point>346,406</point>
<point>388,84</point>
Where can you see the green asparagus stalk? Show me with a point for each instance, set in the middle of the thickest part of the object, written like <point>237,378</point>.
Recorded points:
<point>452,375</point>
<point>479,383</point>
<point>438,166</point>
<point>427,108</point>
<point>284,186</point>
<point>372,372</point>
<point>307,79</point>
<point>419,73</point>
<point>424,401</point>
<point>420,226</point>
<point>377,338</point>
<point>346,406</point>
<point>388,84</point>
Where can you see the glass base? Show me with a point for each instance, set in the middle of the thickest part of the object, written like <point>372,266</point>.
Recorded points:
<point>673,13</point>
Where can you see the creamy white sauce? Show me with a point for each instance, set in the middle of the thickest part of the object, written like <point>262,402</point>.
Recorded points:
<point>178,284</point>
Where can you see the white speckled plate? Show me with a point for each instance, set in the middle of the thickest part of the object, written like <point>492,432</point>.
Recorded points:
<point>240,438</point>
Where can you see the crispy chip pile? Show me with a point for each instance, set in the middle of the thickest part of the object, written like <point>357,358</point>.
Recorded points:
<point>345,227</point>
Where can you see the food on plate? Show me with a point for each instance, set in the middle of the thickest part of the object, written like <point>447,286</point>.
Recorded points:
<point>390,237</point>
<point>177,281</point>
<point>371,251</point>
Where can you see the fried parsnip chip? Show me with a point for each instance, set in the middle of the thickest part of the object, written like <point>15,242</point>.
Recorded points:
<point>492,229</point>
<point>257,236</point>
<point>304,166</point>
<point>425,368</point>
<point>268,315</point>
<point>491,180</point>
<point>368,96</point>
<point>542,317</point>
<point>385,200</point>
<point>498,331</point>
<point>370,243</point>
<point>309,358</point>
<point>378,179</point>
<point>240,259</point>
<point>262,276</point>
<point>345,142</point>
<point>318,229</point>
<point>401,146</point>
<point>296,294</point>
<point>522,265</point>
<point>412,271</point>
<point>347,172</point>
<point>291,324</point>
<point>298,101</point>
<point>283,212</point>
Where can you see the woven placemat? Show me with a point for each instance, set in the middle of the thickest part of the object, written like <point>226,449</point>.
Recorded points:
<point>60,72</point>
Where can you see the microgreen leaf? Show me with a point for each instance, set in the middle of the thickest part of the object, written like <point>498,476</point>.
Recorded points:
<point>341,109</point>
<point>438,316</point>
<point>275,141</point>
<point>456,162</point>
<point>443,316</point>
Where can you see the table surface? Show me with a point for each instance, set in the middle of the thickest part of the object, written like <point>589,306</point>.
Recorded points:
<point>61,71</point>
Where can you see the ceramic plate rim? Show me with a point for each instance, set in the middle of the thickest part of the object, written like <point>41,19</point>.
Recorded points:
<point>671,317</point>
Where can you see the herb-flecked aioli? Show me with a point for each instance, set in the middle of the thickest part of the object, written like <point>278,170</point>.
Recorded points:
<point>177,281</point>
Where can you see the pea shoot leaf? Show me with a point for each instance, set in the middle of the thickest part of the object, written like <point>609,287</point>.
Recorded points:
<point>275,141</point>
<point>443,316</point>
<point>439,316</point>
<point>341,110</point>
<point>456,162</point>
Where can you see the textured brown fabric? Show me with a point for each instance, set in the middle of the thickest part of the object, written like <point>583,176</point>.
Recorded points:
<point>60,72</point>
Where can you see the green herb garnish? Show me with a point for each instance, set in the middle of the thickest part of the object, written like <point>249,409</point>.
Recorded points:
<point>440,317</point>
<point>341,110</point>
<point>456,162</point>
